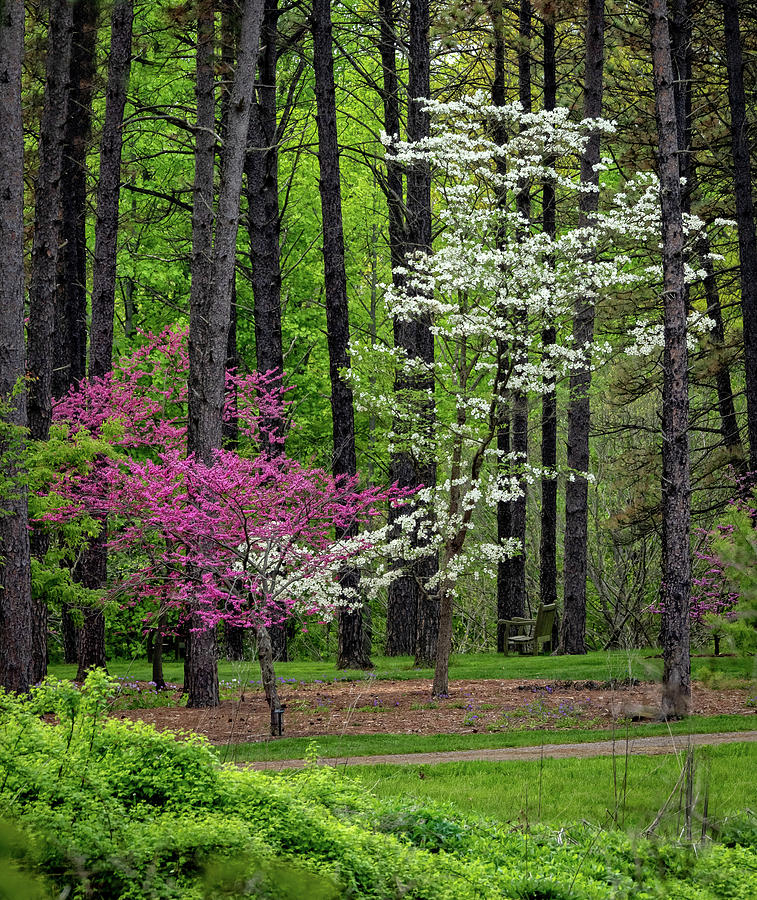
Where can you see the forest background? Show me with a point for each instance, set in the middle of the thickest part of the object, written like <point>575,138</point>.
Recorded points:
<point>140,119</point>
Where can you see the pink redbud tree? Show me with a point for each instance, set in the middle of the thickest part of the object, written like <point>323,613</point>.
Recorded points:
<point>248,540</point>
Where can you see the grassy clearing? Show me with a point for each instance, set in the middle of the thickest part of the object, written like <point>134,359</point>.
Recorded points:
<point>558,791</point>
<point>380,744</point>
<point>597,666</point>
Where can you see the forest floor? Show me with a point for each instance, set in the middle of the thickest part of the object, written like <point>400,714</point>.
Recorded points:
<point>404,707</point>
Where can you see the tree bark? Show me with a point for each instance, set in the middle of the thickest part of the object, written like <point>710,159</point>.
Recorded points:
<point>15,564</point>
<point>505,606</point>
<point>261,169</point>
<point>516,570</point>
<point>402,611</point>
<point>548,538</point>
<point>268,675</point>
<point>213,279</point>
<point>422,342</point>
<point>70,338</point>
<point>157,652</point>
<point>109,193</point>
<point>91,572</point>
<point>200,666</point>
<point>42,287</point>
<point>48,221</point>
<point>94,562</point>
<point>69,635</point>
<point>742,185</point>
<point>676,559</point>
<point>344,465</point>
<point>573,626</point>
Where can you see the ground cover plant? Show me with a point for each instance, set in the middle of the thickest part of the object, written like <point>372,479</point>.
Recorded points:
<point>116,810</point>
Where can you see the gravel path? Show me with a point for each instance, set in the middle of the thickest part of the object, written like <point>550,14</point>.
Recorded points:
<point>646,746</point>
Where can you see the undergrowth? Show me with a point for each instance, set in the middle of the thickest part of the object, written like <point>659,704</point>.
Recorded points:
<point>102,808</point>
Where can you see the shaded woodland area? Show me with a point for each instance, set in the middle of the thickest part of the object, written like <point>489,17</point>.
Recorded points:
<point>424,314</point>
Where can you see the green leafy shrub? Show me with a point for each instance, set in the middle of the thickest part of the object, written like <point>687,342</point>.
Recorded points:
<point>112,809</point>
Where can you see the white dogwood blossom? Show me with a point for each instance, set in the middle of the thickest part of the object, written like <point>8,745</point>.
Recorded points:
<point>490,286</point>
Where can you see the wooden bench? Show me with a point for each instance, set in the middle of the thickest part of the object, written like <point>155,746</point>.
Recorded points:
<point>529,635</point>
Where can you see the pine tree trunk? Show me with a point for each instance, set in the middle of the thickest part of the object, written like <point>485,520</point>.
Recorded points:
<point>350,622</point>
<point>213,268</point>
<point>93,565</point>
<point>681,50</point>
<point>69,635</point>
<point>573,626</point>
<point>505,605</point>
<point>48,221</point>
<point>44,271</point>
<point>402,611</point>
<point>516,569</point>
<point>91,572</point>
<point>742,186</point>
<point>109,193</point>
<point>261,169</point>
<point>548,539</point>
<point>422,342</point>
<point>676,561</point>
<point>70,338</point>
<point>15,563</point>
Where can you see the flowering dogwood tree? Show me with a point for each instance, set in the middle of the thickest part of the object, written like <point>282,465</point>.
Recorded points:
<point>246,540</point>
<point>488,287</point>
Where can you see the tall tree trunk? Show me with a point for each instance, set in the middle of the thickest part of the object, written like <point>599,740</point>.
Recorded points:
<point>519,418</point>
<point>42,288</point>
<point>47,221</point>
<point>402,611</point>
<point>200,666</point>
<point>419,240</point>
<point>261,169</point>
<point>681,50</point>
<point>93,564</point>
<point>70,338</point>
<point>350,653</point>
<point>548,540</point>
<point>109,193</point>
<point>505,608</point>
<point>210,298</point>
<point>742,185</point>
<point>15,563</point>
<point>233,635</point>
<point>676,560</point>
<point>573,627</point>
<point>264,226</point>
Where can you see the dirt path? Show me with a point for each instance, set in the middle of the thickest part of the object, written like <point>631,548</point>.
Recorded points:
<point>645,746</point>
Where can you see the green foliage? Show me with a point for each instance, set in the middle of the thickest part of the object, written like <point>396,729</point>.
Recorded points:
<point>15,882</point>
<point>737,551</point>
<point>12,447</point>
<point>110,809</point>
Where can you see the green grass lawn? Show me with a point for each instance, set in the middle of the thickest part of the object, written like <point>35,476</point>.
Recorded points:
<point>379,744</point>
<point>560,791</point>
<point>597,666</point>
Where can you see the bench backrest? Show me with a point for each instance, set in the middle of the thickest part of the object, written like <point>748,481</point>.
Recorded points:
<point>545,619</point>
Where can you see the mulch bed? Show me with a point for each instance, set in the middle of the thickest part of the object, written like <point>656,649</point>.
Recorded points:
<point>403,707</point>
